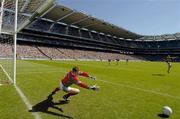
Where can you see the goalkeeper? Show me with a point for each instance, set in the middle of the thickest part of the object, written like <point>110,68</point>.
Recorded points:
<point>72,78</point>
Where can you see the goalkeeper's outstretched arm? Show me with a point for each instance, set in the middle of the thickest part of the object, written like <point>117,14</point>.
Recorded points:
<point>83,85</point>
<point>84,74</point>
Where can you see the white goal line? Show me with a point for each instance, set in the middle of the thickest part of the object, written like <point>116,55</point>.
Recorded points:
<point>6,73</point>
<point>21,94</point>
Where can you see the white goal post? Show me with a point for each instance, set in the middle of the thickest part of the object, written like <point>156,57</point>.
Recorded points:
<point>14,16</point>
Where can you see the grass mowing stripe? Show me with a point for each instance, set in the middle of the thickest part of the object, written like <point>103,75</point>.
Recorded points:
<point>38,72</point>
<point>113,101</point>
<point>123,85</point>
<point>119,68</point>
<point>26,101</point>
<point>140,89</point>
<point>6,73</point>
<point>23,97</point>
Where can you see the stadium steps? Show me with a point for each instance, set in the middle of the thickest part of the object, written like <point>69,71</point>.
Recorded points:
<point>43,52</point>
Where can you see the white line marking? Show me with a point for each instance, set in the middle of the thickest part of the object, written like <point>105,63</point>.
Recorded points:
<point>6,73</point>
<point>26,101</point>
<point>127,86</point>
<point>38,72</point>
<point>140,89</point>
<point>23,97</point>
<point>109,67</point>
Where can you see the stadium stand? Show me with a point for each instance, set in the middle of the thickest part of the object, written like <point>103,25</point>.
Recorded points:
<point>58,28</point>
<point>41,25</point>
<point>28,52</point>
<point>6,46</point>
<point>85,34</point>
<point>73,35</point>
<point>39,51</point>
<point>60,53</point>
<point>73,31</point>
<point>5,50</point>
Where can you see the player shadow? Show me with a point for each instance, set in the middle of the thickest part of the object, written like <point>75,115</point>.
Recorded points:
<point>44,105</point>
<point>163,116</point>
<point>158,75</point>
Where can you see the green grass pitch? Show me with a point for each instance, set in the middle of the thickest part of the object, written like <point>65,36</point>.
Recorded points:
<point>138,90</point>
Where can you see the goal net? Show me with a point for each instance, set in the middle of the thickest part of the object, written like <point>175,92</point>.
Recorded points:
<point>14,16</point>
<point>6,58</point>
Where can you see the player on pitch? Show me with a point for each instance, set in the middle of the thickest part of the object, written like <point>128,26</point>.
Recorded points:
<point>72,78</point>
<point>168,60</point>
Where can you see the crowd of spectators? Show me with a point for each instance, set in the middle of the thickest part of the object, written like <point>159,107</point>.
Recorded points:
<point>49,52</point>
<point>6,50</point>
<point>29,51</point>
<point>46,52</point>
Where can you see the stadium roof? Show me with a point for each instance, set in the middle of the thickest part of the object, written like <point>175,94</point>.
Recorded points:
<point>50,10</point>
<point>59,13</point>
<point>27,11</point>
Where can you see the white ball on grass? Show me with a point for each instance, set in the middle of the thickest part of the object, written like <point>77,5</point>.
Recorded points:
<point>167,110</point>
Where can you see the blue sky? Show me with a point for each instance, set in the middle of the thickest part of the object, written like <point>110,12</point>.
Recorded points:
<point>146,17</point>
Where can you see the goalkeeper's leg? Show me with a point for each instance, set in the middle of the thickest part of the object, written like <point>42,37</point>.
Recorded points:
<point>55,90</point>
<point>169,68</point>
<point>70,92</point>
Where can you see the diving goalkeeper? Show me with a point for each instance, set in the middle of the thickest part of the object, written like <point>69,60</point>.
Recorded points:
<point>72,78</point>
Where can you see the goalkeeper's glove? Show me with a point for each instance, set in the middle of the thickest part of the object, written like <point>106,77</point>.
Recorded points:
<point>92,78</point>
<point>94,88</point>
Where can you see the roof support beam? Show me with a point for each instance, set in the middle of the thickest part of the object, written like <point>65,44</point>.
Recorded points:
<point>48,10</point>
<point>165,39</point>
<point>81,20</point>
<point>51,26</point>
<point>25,5</point>
<point>1,15</point>
<point>12,11</point>
<point>65,16</point>
<point>90,25</point>
<point>154,38</point>
<point>174,37</point>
